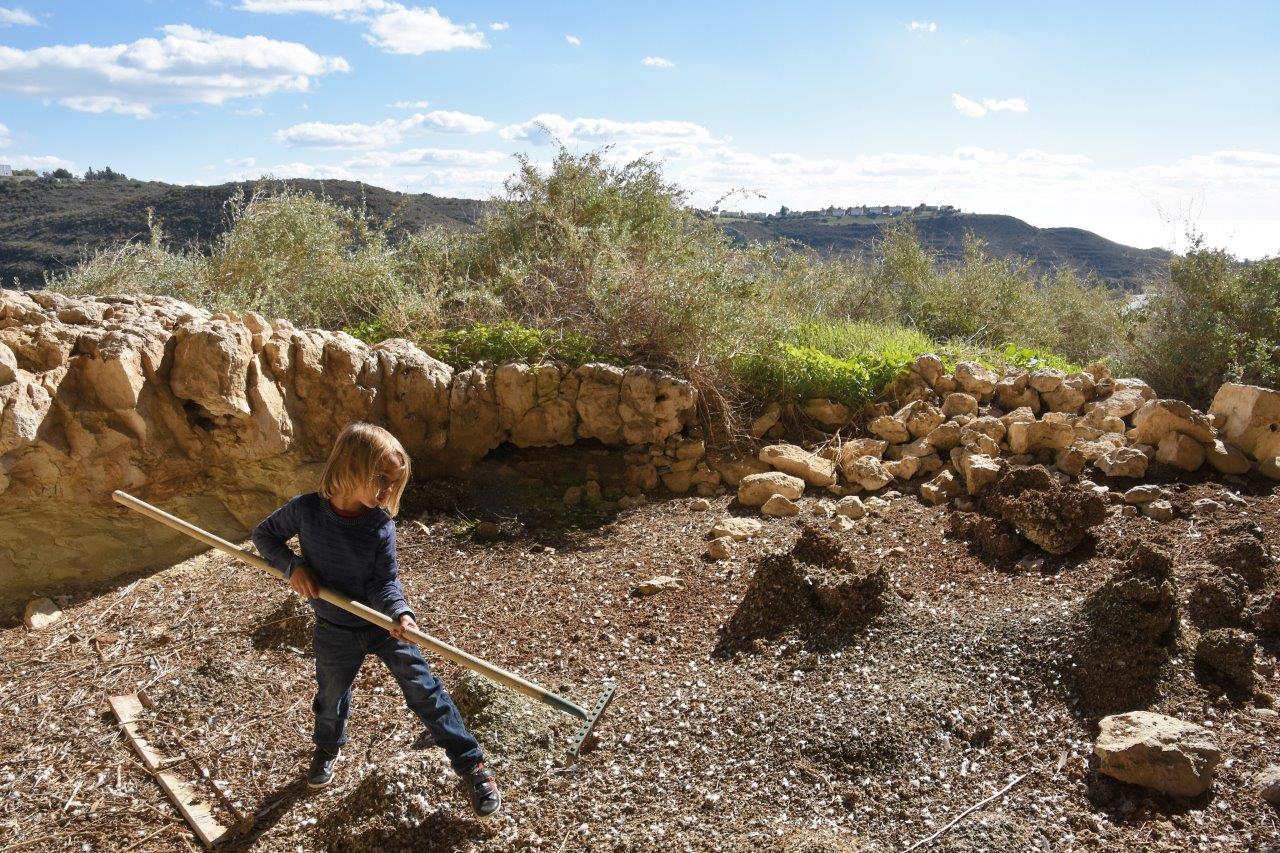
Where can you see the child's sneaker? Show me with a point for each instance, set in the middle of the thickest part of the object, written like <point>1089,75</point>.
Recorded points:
<point>483,791</point>
<point>321,771</point>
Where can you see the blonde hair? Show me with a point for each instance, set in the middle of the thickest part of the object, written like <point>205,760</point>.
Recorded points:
<point>359,452</point>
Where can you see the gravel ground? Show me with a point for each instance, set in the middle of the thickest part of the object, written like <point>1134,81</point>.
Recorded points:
<point>959,687</point>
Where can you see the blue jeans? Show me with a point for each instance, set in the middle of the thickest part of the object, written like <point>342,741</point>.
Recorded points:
<point>340,652</point>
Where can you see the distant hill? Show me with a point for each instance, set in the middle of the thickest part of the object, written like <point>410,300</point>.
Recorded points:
<point>1006,236</point>
<point>50,225</point>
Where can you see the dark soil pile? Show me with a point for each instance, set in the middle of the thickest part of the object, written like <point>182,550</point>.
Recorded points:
<point>1032,504</point>
<point>1239,547</point>
<point>817,588</point>
<point>1128,629</point>
<point>1219,597</point>
<point>1225,656</point>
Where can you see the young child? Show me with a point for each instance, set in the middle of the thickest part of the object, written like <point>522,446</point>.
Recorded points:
<point>348,544</point>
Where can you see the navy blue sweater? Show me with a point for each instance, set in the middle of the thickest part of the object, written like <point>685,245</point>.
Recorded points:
<point>355,557</point>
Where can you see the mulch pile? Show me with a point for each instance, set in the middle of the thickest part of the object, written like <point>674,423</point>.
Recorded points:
<point>940,701</point>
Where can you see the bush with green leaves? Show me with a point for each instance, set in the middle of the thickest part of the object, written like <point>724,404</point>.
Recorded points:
<point>594,260</point>
<point>1214,320</point>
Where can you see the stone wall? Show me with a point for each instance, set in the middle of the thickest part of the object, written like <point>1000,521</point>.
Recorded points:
<point>220,418</point>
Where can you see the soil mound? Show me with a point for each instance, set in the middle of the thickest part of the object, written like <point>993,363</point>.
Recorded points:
<point>817,588</point>
<point>1225,656</point>
<point>1219,597</point>
<point>1127,630</point>
<point>287,627</point>
<point>1031,504</point>
<point>1239,548</point>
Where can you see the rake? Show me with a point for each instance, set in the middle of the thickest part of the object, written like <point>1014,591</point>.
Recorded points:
<point>493,673</point>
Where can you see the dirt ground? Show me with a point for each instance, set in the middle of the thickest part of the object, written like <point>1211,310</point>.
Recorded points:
<point>958,687</point>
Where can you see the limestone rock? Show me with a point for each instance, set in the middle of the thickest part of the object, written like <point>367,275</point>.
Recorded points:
<point>1046,379</point>
<point>980,471</point>
<point>920,418</point>
<point>1227,458</point>
<point>976,379</point>
<point>699,505</point>
<point>779,507</point>
<point>903,469</point>
<point>755,489</point>
<point>890,428</point>
<point>599,396</point>
<point>827,413</point>
<point>767,419</point>
<point>40,613</point>
<point>8,365</point>
<point>1142,494</point>
<point>1028,437</point>
<point>737,529</point>
<point>1158,510</point>
<point>1269,784</point>
<point>720,548</point>
<point>960,403</point>
<point>941,488</point>
<point>1158,752</point>
<point>1180,451</point>
<point>655,585</point>
<point>1158,418</point>
<point>1123,462</point>
<point>475,427</point>
<point>929,367</point>
<point>1251,418</point>
<point>734,470</point>
<point>211,367</point>
<point>416,395</point>
<point>850,506</point>
<point>536,406</point>
<point>946,436</point>
<point>1127,397</point>
<point>868,472</point>
<point>810,467</point>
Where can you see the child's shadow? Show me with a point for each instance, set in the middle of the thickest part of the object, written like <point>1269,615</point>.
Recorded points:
<point>273,808</point>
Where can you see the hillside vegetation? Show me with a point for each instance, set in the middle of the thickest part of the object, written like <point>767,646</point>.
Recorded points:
<point>48,225</point>
<point>589,261</point>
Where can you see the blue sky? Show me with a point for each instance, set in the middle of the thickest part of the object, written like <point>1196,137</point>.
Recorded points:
<point>1134,120</point>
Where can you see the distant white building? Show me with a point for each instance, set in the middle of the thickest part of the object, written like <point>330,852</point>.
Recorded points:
<point>6,171</point>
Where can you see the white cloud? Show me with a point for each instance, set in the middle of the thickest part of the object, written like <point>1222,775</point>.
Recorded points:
<point>657,62</point>
<point>393,27</point>
<point>499,26</point>
<point>546,128</point>
<point>17,18</point>
<point>409,105</point>
<point>188,65</point>
<point>242,162</point>
<point>419,31</point>
<point>973,109</point>
<point>380,135</point>
<point>923,26</point>
<point>429,157</point>
<point>573,40</point>
<point>39,162</point>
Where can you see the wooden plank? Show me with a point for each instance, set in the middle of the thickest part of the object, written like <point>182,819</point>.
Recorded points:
<point>194,809</point>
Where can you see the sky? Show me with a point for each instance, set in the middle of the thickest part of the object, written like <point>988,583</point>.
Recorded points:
<point>1140,121</point>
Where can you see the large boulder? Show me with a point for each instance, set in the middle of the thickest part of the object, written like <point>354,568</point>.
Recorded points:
<point>755,489</point>
<point>1158,418</point>
<point>890,428</point>
<point>1250,418</point>
<point>211,366</point>
<point>810,467</point>
<point>827,413</point>
<point>868,472</point>
<point>1158,752</point>
<point>536,404</point>
<point>920,418</point>
<point>1227,458</point>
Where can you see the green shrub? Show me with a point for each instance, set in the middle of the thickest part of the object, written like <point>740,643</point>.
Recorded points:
<point>1214,320</point>
<point>508,341</point>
